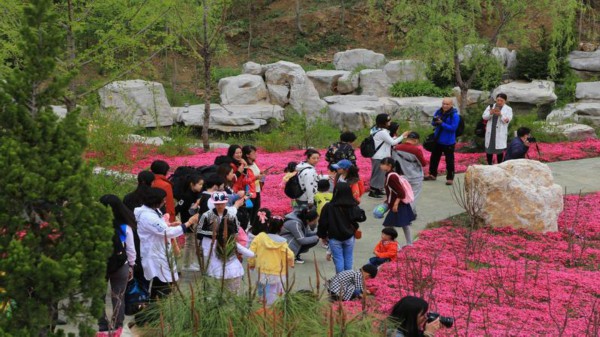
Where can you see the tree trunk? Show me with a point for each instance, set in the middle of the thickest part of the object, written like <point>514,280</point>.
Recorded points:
<point>250,16</point>
<point>464,88</point>
<point>298,24</point>
<point>207,85</point>
<point>342,12</point>
<point>70,98</point>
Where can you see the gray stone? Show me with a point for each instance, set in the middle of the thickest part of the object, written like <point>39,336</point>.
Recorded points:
<point>279,94</point>
<point>374,82</point>
<point>508,58</point>
<point>243,89</point>
<point>348,83</point>
<point>326,81</point>
<point>577,131</point>
<point>140,103</point>
<point>156,141</point>
<point>526,96</point>
<point>230,118</point>
<point>253,68</point>
<point>303,96</point>
<point>474,97</point>
<point>417,109</point>
<point>59,111</point>
<point>353,117</point>
<point>354,58</point>
<point>588,90</point>
<point>576,112</point>
<point>585,61</point>
<point>404,70</point>
<point>344,99</point>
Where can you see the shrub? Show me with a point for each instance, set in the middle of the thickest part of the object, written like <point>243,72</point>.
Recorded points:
<point>565,90</point>
<point>177,143</point>
<point>106,138</point>
<point>532,64</point>
<point>418,88</point>
<point>300,49</point>
<point>489,75</point>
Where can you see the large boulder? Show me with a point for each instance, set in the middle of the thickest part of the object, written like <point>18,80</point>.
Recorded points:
<point>577,112</point>
<point>243,89</point>
<point>588,90</point>
<point>353,117</point>
<point>587,64</point>
<point>417,109</point>
<point>326,81</point>
<point>576,131</point>
<point>523,97</point>
<point>253,68</point>
<point>348,83</point>
<point>301,93</point>
<point>517,193</point>
<point>350,99</point>
<point>354,58</point>
<point>404,70</point>
<point>230,118</point>
<point>508,59</point>
<point>474,97</point>
<point>140,103</point>
<point>374,82</point>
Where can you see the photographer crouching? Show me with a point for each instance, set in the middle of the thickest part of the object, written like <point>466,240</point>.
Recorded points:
<point>411,318</point>
<point>520,144</point>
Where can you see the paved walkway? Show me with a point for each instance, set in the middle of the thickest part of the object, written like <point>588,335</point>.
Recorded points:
<point>435,204</point>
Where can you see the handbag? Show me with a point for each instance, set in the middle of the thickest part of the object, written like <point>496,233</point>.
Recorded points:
<point>429,142</point>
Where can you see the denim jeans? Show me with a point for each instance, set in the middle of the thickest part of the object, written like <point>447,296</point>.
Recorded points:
<point>341,251</point>
<point>377,261</point>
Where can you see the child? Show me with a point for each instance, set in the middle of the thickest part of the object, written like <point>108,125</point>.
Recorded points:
<point>387,249</point>
<point>349,284</point>
<point>273,257</point>
<point>223,260</point>
<point>323,195</point>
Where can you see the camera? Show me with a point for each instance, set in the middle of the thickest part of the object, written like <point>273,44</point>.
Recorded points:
<point>531,139</point>
<point>445,321</point>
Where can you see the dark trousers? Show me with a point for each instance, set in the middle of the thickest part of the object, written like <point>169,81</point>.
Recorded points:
<point>159,289</point>
<point>436,155</point>
<point>378,261</point>
<point>118,284</point>
<point>305,248</point>
<point>490,158</point>
<point>255,208</point>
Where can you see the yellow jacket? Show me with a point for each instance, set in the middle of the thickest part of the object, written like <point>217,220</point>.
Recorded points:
<point>270,254</point>
<point>321,198</point>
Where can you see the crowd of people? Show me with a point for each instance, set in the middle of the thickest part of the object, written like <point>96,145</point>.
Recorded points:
<point>216,213</point>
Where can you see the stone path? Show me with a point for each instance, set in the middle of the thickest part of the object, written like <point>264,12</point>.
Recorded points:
<point>435,204</point>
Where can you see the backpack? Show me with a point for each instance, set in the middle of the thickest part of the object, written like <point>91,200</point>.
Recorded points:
<point>367,147</point>
<point>481,125</point>
<point>119,255</point>
<point>409,196</point>
<point>292,188</point>
<point>461,126</point>
<point>136,297</point>
<point>178,177</point>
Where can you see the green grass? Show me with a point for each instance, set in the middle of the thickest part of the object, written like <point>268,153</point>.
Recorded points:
<point>102,184</point>
<point>106,138</point>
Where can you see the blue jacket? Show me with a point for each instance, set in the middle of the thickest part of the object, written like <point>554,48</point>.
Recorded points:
<point>446,132</point>
<point>516,149</point>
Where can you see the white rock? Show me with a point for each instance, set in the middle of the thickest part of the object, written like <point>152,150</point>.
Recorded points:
<point>565,113</point>
<point>508,58</point>
<point>140,103</point>
<point>156,141</point>
<point>577,112</point>
<point>59,110</point>
<point>353,117</point>
<point>474,97</point>
<point>303,96</point>
<point>253,68</point>
<point>348,83</point>
<point>404,70</point>
<point>534,93</point>
<point>353,58</point>
<point>230,118</point>
<point>374,82</point>
<point>326,81</point>
<point>577,131</point>
<point>279,94</point>
<point>518,193</point>
<point>418,109</point>
<point>344,99</point>
<point>585,61</point>
<point>243,89</point>
<point>588,90</point>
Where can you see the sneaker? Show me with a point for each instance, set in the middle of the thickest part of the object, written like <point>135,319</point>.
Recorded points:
<point>449,182</point>
<point>380,193</point>
<point>375,195</point>
<point>298,260</point>
<point>429,178</point>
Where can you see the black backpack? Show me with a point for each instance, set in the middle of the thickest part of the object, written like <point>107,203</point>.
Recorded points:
<point>461,126</point>
<point>367,147</point>
<point>178,177</point>
<point>293,189</point>
<point>119,255</point>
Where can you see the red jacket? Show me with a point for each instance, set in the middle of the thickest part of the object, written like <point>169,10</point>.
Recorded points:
<point>413,150</point>
<point>393,188</point>
<point>160,181</point>
<point>386,250</point>
<point>243,179</point>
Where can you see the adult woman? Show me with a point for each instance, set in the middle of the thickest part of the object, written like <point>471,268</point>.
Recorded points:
<point>308,177</point>
<point>226,172</point>
<point>155,250</point>
<point>120,264</point>
<point>409,317</point>
<point>383,146</point>
<point>400,214</point>
<point>498,116</point>
<point>249,155</point>
<point>192,188</point>
<point>347,172</point>
<point>299,231</point>
<point>338,224</point>
<point>244,177</point>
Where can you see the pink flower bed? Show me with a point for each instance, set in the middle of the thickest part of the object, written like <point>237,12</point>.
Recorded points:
<point>504,282</point>
<point>274,198</point>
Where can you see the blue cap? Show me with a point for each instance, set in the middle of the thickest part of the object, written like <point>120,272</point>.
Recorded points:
<point>343,164</point>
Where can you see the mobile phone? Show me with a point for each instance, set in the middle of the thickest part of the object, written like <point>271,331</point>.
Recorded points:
<point>268,168</point>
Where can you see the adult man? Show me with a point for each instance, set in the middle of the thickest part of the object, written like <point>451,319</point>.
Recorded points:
<point>446,121</point>
<point>519,145</point>
<point>342,149</point>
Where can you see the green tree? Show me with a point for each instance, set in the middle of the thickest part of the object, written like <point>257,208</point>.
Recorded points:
<point>55,237</point>
<point>438,31</point>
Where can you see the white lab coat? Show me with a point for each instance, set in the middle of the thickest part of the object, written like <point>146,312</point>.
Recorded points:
<point>501,126</point>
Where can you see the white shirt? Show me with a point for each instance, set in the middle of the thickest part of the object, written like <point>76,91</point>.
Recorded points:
<point>233,266</point>
<point>383,135</point>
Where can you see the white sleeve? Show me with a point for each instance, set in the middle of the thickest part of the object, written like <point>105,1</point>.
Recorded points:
<point>130,246</point>
<point>507,112</point>
<point>386,138</point>
<point>244,251</point>
<point>486,114</point>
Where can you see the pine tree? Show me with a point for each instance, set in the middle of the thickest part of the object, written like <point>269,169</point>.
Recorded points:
<point>55,238</point>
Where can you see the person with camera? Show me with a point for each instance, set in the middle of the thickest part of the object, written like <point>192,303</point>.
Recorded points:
<point>410,318</point>
<point>520,144</point>
<point>498,116</point>
<point>445,121</point>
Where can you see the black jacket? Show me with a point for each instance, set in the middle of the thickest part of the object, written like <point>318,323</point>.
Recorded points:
<point>340,217</point>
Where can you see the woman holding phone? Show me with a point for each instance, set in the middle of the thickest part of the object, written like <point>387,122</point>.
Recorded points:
<point>249,155</point>
<point>498,116</point>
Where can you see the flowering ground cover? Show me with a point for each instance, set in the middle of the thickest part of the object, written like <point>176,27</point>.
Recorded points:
<point>274,198</point>
<point>504,282</point>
